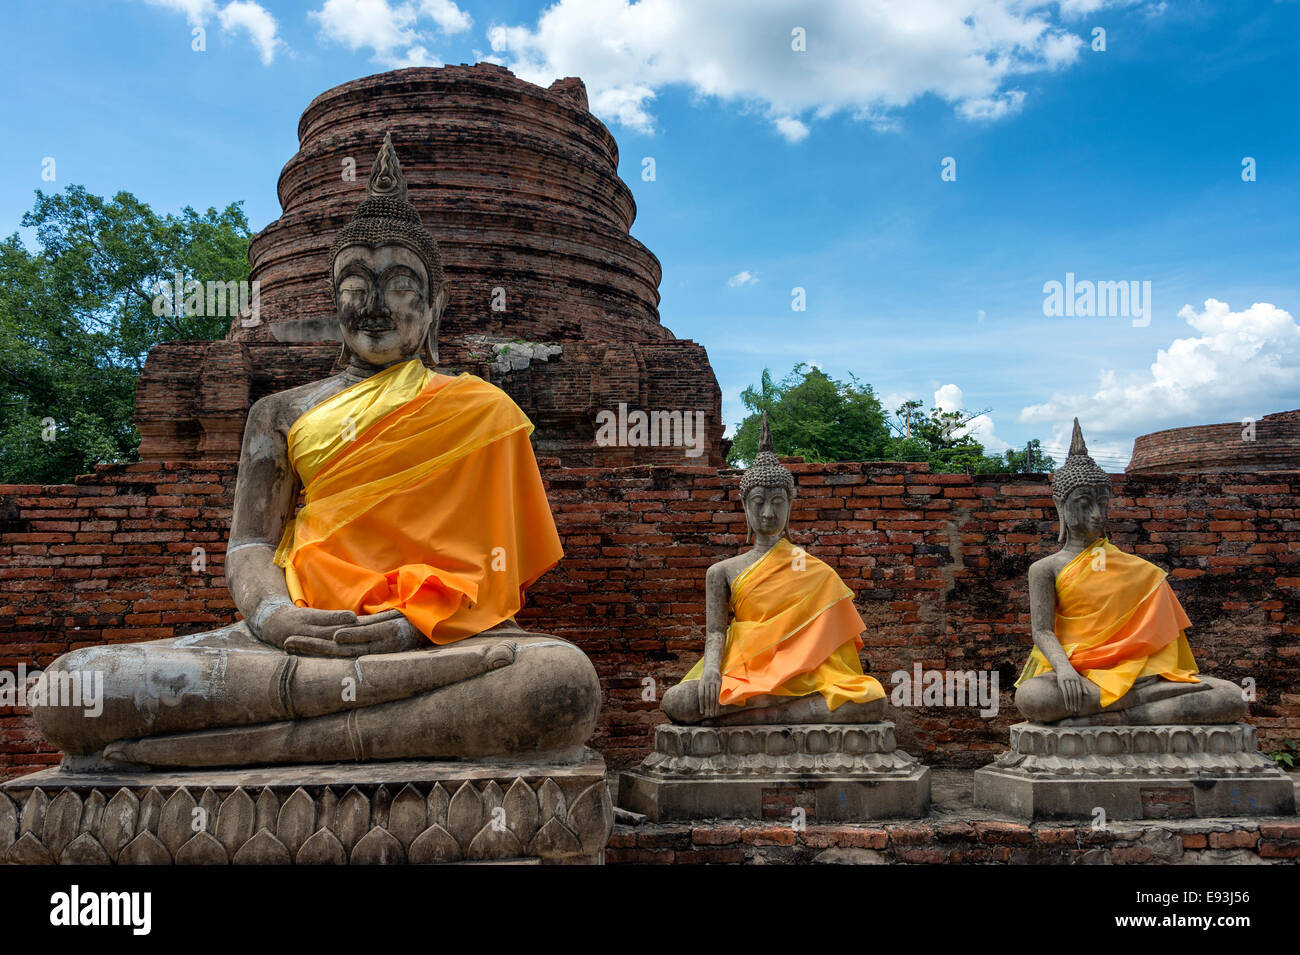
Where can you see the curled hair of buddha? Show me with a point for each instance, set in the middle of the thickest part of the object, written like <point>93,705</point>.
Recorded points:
<point>767,470</point>
<point>1079,470</point>
<point>386,217</point>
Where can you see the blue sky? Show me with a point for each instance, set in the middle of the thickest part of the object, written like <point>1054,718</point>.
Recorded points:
<point>817,168</point>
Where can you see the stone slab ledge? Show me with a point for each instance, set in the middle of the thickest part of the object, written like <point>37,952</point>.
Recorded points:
<point>960,841</point>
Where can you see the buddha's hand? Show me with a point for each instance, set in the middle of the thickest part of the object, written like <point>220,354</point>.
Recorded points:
<point>709,687</point>
<point>387,632</point>
<point>1072,689</point>
<point>288,621</point>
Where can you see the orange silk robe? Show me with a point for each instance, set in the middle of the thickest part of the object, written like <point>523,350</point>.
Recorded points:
<point>421,494</point>
<point>794,631</point>
<point>1118,620</point>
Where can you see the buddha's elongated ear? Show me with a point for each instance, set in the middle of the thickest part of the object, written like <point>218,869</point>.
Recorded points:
<point>436,308</point>
<point>1060,517</point>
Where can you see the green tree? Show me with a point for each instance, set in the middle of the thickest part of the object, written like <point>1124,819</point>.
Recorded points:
<point>78,317</point>
<point>936,438</point>
<point>812,415</point>
<point>1032,460</point>
<point>822,419</point>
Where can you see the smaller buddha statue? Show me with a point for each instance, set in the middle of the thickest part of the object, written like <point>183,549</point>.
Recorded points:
<point>1110,646</point>
<point>790,651</point>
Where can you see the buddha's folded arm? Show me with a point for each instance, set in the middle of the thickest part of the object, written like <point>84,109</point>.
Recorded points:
<point>259,516</point>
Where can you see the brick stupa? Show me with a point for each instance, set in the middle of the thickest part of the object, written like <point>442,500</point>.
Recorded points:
<point>520,187</point>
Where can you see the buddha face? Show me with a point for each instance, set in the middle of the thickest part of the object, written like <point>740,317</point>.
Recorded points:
<point>767,509</point>
<point>385,309</point>
<point>1084,511</point>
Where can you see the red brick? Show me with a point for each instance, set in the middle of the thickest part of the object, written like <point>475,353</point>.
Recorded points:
<point>1280,830</point>
<point>1004,833</point>
<point>1279,850</point>
<point>1237,839</point>
<point>1052,837</point>
<point>910,835</point>
<point>715,835</point>
<point>772,836</point>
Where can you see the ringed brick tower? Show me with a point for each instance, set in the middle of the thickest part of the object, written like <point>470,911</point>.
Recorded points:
<point>1273,443</point>
<point>551,297</point>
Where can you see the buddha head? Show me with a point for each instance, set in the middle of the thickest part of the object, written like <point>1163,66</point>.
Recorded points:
<point>387,274</point>
<point>767,490</point>
<point>1081,491</point>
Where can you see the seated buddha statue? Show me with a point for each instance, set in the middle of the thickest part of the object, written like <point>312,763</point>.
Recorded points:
<point>789,652</point>
<point>1110,646</point>
<point>378,620</point>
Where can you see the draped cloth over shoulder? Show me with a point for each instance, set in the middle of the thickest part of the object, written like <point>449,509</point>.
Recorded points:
<point>421,494</point>
<point>1118,620</point>
<point>794,631</point>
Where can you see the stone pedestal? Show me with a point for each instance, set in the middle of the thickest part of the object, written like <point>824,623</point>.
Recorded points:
<point>359,814</point>
<point>834,772</point>
<point>1134,772</point>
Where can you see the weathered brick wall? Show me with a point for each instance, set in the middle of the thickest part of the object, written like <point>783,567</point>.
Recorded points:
<point>938,563</point>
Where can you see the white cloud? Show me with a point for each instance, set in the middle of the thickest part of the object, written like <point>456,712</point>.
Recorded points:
<point>1241,364</point>
<point>391,31</point>
<point>415,56</point>
<point>366,23</point>
<point>256,22</point>
<point>792,129</point>
<point>742,278</point>
<point>196,11</point>
<point>893,400</point>
<point>869,58</point>
<point>252,18</point>
<point>949,398</point>
<point>991,107</point>
<point>449,17</point>
<point>1073,9</point>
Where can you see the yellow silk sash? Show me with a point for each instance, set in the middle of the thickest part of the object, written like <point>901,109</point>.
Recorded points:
<point>794,631</point>
<point>1118,621</point>
<point>421,493</point>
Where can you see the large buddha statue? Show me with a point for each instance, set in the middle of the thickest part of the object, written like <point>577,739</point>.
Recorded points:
<point>378,622</point>
<point>1109,641</point>
<point>781,632</point>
